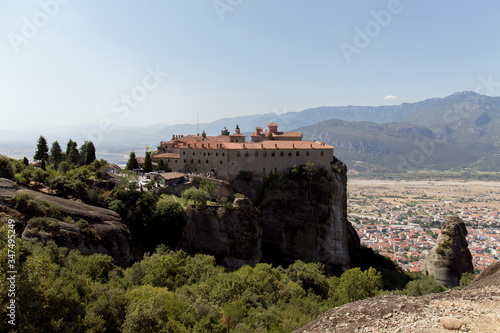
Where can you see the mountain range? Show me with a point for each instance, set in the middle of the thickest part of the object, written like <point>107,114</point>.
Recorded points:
<point>455,132</point>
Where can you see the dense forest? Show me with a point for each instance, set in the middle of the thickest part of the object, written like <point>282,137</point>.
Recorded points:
<point>61,290</point>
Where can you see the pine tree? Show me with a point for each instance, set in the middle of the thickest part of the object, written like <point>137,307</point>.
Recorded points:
<point>132,162</point>
<point>42,150</point>
<point>147,165</point>
<point>43,166</point>
<point>72,156</point>
<point>55,154</point>
<point>89,153</point>
<point>161,165</point>
<point>26,162</point>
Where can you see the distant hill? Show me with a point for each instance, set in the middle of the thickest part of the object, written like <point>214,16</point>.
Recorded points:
<point>460,131</point>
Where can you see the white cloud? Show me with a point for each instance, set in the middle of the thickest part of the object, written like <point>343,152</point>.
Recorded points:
<point>390,97</point>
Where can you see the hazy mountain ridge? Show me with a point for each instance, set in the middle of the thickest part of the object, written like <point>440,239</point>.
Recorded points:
<point>460,130</point>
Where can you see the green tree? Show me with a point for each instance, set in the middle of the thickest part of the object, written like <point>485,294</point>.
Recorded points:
<point>207,186</point>
<point>132,162</point>
<point>42,150</point>
<point>72,156</point>
<point>356,284</point>
<point>198,196</point>
<point>224,132</point>
<point>148,164</point>
<point>25,161</point>
<point>270,136</point>
<point>64,167</point>
<point>161,165</point>
<point>56,156</point>
<point>89,153</point>
<point>6,169</point>
<point>43,166</point>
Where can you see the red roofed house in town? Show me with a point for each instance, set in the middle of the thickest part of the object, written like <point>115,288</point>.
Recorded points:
<point>227,155</point>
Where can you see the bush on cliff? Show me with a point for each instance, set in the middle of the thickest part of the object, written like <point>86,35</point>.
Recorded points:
<point>6,168</point>
<point>31,206</point>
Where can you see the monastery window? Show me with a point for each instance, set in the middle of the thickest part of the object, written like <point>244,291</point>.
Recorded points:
<point>184,160</point>
<point>206,162</point>
<point>199,161</point>
<point>264,154</point>
<point>297,154</point>
<point>322,153</point>
<point>256,154</point>
<point>204,154</point>
<point>222,154</point>
<point>238,154</point>
<point>192,161</point>
<point>220,162</point>
<point>273,154</point>
<point>246,154</point>
<point>307,153</point>
<point>175,161</point>
<point>193,153</point>
<point>289,153</point>
<point>281,153</point>
<point>183,153</point>
<point>264,170</point>
<point>216,154</point>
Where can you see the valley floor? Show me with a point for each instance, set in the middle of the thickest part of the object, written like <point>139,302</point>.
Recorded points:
<point>402,219</point>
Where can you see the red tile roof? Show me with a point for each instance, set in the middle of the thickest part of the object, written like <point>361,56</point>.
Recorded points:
<point>165,155</point>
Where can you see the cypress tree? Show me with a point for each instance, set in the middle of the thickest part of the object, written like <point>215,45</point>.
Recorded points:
<point>89,153</point>
<point>132,162</point>
<point>148,164</point>
<point>42,150</point>
<point>55,154</point>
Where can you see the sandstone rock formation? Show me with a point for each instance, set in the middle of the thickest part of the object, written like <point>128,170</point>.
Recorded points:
<point>232,235</point>
<point>307,219</point>
<point>473,309</point>
<point>490,276</point>
<point>296,219</point>
<point>115,238</point>
<point>450,257</point>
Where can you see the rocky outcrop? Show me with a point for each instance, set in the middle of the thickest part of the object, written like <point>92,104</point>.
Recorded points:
<point>473,310</point>
<point>113,236</point>
<point>450,257</point>
<point>231,234</point>
<point>490,276</point>
<point>307,219</point>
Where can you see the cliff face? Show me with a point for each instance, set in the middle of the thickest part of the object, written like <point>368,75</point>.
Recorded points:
<point>450,257</point>
<point>307,219</point>
<point>296,219</point>
<point>105,233</point>
<point>232,235</point>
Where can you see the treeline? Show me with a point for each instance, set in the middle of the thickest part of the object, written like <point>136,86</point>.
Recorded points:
<point>60,290</point>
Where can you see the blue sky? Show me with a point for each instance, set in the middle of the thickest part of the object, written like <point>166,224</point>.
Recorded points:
<point>233,57</point>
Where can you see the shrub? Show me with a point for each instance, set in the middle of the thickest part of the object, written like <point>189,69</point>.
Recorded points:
<point>467,279</point>
<point>87,231</point>
<point>423,285</point>
<point>245,176</point>
<point>6,169</point>
<point>44,224</point>
<point>28,204</point>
